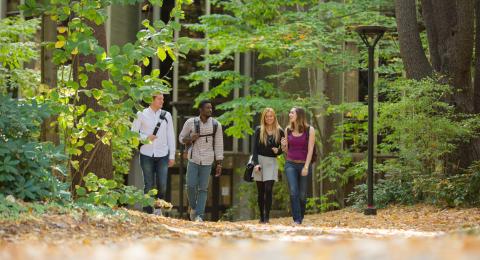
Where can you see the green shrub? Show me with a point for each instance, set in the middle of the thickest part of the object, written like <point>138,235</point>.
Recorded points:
<point>425,132</point>
<point>321,204</point>
<point>27,166</point>
<point>100,191</point>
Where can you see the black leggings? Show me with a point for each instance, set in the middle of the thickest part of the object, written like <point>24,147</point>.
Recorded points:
<point>265,191</point>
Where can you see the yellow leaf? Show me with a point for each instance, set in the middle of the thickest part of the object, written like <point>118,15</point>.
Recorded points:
<point>146,61</point>
<point>62,29</point>
<point>162,55</point>
<point>54,17</point>
<point>59,44</point>
<point>75,51</point>
<point>145,8</point>
<point>171,53</point>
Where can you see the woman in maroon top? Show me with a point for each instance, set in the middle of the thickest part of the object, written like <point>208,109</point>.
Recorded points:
<point>298,144</point>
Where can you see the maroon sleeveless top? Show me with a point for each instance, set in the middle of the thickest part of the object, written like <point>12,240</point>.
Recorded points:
<point>297,147</point>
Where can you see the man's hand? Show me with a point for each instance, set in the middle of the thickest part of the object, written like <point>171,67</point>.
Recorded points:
<point>188,140</point>
<point>171,163</point>
<point>152,137</point>
<point>194,137</point>
<point>218,170</point>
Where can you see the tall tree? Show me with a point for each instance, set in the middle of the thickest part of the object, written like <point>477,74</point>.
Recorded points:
<point>450,32</point>
<point>411,50</point>
<point>476,88</point>
<point>99,159</point>
<point>48,74</point>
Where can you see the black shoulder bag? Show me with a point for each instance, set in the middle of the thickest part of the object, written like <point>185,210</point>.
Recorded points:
<point>247,175</point>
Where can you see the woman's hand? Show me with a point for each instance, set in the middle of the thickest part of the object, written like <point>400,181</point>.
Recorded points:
<point>305,171</point>
<point>275,150</point>
<point>257,168</point>
<point>284,142</point>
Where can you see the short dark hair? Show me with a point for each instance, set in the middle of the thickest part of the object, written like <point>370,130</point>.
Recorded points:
<point>204,102</point>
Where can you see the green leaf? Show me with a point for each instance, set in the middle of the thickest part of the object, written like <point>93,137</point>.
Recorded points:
<point>89,147</point>
<point>97,93</point>
<point>81,191</point>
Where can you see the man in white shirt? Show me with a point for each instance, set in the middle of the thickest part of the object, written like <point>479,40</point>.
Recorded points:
<point>156,126</point>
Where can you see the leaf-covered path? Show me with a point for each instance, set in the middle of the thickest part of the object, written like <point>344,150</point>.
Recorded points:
<point>396,233</point>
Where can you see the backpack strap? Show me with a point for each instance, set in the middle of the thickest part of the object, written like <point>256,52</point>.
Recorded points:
<point>215,127</point>
<point>196,126</point>
<point>196,129</point>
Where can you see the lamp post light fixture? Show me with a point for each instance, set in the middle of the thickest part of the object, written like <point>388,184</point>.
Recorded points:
<point>370,36</point>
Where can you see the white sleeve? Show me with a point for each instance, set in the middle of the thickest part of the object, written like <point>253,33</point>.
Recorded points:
<point>186,130</point>
<point>137,125</point>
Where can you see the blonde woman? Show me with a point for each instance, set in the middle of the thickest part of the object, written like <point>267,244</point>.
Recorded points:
<point>266,148</point>
<point>298,145</point>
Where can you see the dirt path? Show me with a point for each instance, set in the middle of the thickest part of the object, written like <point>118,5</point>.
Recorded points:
<point>396,233</point>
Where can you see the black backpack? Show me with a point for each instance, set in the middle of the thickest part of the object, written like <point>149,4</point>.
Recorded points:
<point>196,126</point>
<point>162,118</point>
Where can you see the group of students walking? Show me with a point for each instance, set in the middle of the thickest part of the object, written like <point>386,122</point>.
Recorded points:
<point>270,140</point>
<point>203,136</point>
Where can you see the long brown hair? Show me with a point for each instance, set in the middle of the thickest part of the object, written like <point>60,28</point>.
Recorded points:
<point>263,127</point>
<point>300,123</point>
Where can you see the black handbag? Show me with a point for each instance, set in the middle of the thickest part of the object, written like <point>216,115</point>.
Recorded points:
<point>247,175</point>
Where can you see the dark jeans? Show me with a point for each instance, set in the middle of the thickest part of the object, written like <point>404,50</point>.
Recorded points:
<point>155,173</point>
<point>297,185</point>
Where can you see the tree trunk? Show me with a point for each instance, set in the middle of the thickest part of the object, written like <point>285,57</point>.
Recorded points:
<point>431,28</point>
<point>463,49</point>
<point>98,160</point>
<point>48,76</point>
<point>411,50</point>
<point>439,21</point>
<point>476,89</point>
<point>450,26</point>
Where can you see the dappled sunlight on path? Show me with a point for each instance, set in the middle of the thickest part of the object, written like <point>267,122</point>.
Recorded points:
<point>142,236</point>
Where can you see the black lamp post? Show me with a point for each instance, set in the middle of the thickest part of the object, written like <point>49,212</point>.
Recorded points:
<point>370,36</point>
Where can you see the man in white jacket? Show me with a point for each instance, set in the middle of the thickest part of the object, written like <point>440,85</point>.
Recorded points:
<point>156,126</point>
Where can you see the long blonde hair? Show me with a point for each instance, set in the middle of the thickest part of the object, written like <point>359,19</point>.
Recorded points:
<point>300,123</point>
<point>263,127</point>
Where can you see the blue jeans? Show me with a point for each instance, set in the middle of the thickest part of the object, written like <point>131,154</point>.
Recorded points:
<point>155,173</point>
<point>297,185</point>
<point>198,177</point>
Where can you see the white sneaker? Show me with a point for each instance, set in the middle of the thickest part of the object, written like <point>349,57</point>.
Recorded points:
<point>198,219</point>
<point>192,214</point>
<point>157,212</point>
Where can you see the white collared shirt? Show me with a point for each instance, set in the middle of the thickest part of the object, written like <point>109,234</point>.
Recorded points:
<point>165,142</point>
